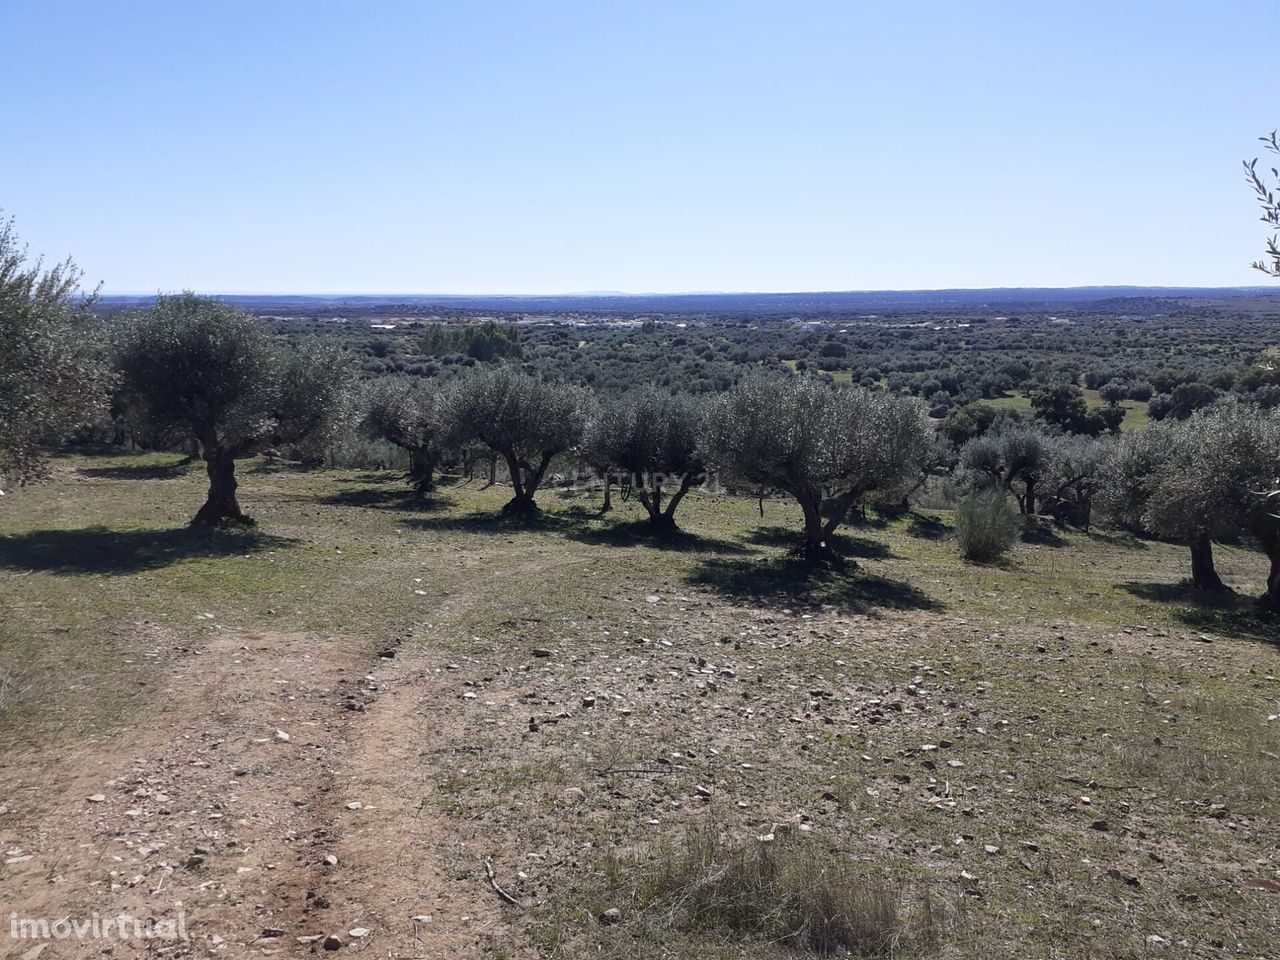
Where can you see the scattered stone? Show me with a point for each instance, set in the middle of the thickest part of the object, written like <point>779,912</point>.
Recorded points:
<point>611,916</point>
<point>282,737</point>
<point>330,861</point>
<point>1117,874</point>
<point>541,652</point>
<point>96,798</point>
<point>357,932</point>
<point>332,942</point>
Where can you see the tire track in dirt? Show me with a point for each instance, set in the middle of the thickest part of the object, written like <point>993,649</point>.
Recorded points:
<point>223,802</point>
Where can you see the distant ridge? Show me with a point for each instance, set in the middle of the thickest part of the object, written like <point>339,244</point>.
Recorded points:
<point>816,302</point>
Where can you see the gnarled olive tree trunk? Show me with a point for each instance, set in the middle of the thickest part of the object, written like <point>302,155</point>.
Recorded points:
<point>220,507</point>
<point>1204,576</point>
<point>663,520</point>
<point>817,546</point>
<point>525,480</point>
<point>608,492</point>
<point>422,468</point>
<point>1269,536</point>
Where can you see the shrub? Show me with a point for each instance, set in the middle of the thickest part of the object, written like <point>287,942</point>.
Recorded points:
<point>986,527</point>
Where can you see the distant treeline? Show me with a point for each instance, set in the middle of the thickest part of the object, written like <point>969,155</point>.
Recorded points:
<point>484,342</point>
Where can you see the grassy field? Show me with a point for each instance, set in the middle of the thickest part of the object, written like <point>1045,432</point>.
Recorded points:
<point>1135,411</point>
<point>1065,755</point>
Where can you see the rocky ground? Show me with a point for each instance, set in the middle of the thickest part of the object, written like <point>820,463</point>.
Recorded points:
<point>422,733</point>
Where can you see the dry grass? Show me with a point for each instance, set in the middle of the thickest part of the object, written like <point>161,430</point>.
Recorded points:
<point>787,890</point>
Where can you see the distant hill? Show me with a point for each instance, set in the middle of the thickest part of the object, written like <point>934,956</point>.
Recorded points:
<point>1001,299</point>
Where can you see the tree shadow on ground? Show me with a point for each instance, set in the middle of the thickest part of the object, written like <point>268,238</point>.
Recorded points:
<point>140,471</point>
<point>1225,612</point>
<point>843,544</point>
<point>99,550</point>
<point>394,498</point>
<point>794,582</point>
<point>927,528</point>
<point>1117,538</point>
<point>494,523</point>
<point>640,533</point>
<point>1043,535</point>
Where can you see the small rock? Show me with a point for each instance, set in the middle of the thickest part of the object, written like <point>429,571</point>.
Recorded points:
<point>96,798</point>
<point>330,861</point>
<point>541,652</point>
<point>1116,874</point>
<point>282,737</point>
<point>357,932</point>
<point>611,916</point>
<point>333,942</point>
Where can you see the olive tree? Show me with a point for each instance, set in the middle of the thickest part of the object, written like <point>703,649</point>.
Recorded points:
<point>52,378</point>
<point>410,416</point>
<point>1221,459</point>
<point>203,366</point>
<point>827,446</point>
<point>1012,458</point>
<point>523,419</point>
<point>1072,477</point>
<point>1198,480</point>
<point>1266,194</point>
<point>653,436</point>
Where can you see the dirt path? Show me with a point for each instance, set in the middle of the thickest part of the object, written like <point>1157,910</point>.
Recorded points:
<point>274,796</point>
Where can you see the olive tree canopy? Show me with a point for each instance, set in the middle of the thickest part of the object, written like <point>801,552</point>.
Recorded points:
<point>523,419</point>
<point>203,366</point>
<point>1200,479</point>
<point>1011,457</point>
<point>827,446</point>
<point>653,437</point>
<point>52,378</point>
<point>410,416</point>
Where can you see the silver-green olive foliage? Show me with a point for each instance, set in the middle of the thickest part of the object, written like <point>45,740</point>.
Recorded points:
<point>1013,458</point>
<point>1202,478</point>
<point>202,366</point>
<point>1266,190</point>
<point>52,378</point>
<point>410,415</point>
<point>652,436</point>
<point>827,446</point>
<point>525,420</point>
<point>1073,474</point>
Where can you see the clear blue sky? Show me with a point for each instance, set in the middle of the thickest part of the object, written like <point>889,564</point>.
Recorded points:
<point>484,146</point>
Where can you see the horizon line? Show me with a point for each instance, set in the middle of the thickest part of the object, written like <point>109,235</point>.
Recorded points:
<point>623,294</point>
